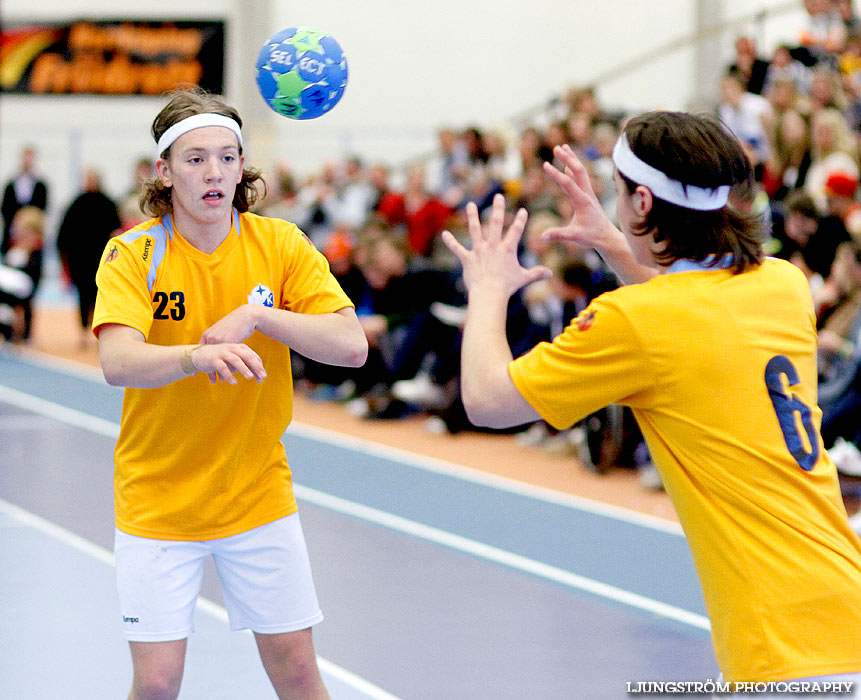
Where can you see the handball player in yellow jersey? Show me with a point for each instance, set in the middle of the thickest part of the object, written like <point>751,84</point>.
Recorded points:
<point>713,346</point>
<point>196,312</point>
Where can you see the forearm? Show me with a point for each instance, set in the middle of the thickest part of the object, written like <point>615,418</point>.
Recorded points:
<point>489,395</point>
<point>333,338</point>
<point>145,366</point>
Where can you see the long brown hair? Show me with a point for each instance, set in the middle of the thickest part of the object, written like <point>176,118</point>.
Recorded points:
<point>155,197</point>
<point>696,150</point>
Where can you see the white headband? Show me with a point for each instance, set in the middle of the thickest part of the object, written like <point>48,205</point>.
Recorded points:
<point>197,121</point>
<point>663,187</point>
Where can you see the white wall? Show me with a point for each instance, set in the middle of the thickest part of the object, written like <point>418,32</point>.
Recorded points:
<point>413,67</point>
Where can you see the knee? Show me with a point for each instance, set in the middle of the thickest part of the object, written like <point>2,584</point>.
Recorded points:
<point>156,686</point>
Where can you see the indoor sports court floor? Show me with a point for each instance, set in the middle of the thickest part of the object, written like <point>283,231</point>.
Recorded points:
<point>437,581</point>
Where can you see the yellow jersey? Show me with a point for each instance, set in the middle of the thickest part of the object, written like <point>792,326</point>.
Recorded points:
<point>720,372</point>
<point>196,460</point>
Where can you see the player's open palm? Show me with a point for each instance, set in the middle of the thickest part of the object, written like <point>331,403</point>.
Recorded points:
<point>589,226</point>
<point>493,260</point>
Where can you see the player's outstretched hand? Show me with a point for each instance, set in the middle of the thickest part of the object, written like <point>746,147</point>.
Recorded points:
<point>222,360</point>
<point>492,260</point>
<point>589,226</point>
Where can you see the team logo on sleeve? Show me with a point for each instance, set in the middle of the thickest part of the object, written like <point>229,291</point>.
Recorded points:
<point>112,255</point>
<point>261,295</point>
<point>585,320</point>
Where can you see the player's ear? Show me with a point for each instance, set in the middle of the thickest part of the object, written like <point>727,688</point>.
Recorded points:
<point>162,169</point>
<point>642,201</point>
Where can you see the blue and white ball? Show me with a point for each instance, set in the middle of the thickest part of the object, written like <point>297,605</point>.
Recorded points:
<point>301,72</point>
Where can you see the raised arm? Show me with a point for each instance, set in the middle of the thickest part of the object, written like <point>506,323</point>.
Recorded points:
<point>492,274</point>
<point>589,226</point>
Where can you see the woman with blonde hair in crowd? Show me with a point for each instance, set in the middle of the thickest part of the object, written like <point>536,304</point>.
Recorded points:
<point>790,157</point>
<point>834,148</point>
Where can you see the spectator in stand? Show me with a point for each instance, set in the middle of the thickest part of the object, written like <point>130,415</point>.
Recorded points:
<point>784,67</point>
<point>809,240</point>
<point>846,10</point>
<point>840,365</point>
<point>745,113</point>
<point>394,310</point>
<point>422,214</point>
<point>450,167</point>
<point>749,69</point>
<point>25,254</point>
<point>88,224</point>
<point>841,191</point>
<point>354,198</point>
<point>790,155</point>
<point>605,136</point>
<point>823,35</point>
<point>533,150</point>
<point>282,200</point>
<point>580,135</point>
<point>24,189</point>
<point>833,148</point>
<point>131,213</point>
<point>826,91</point>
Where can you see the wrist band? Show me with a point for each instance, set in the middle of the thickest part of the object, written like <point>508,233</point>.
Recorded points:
<point>185,361</point>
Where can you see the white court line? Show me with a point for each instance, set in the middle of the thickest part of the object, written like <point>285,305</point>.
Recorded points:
<point>103,555</point>
<point>458,471</point>
<point>394,522</point>
<point>411,459</point>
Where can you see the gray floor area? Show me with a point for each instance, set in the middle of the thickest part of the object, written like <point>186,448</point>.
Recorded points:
<point>444,609</point>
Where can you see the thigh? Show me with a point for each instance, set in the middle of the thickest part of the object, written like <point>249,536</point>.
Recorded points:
<point>266,578</point>
<point>158,582</point>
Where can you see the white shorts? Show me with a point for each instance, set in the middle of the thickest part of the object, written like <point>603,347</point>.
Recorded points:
<point>265,579</point>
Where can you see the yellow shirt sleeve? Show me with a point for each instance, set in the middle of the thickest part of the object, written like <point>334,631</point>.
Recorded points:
<point>597,360</point>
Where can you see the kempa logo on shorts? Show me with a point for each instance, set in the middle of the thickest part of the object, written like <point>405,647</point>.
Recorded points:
<point>131,620</point>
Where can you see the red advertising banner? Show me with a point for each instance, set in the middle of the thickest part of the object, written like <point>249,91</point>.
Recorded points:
<point>103,57</point>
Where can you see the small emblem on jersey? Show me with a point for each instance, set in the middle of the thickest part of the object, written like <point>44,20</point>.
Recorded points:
<point>112,254</point>
<point>262,296</point>
<point>585,320</point>
<point>148,244</point>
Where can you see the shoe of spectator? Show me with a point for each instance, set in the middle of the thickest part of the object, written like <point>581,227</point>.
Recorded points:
<point>560,444</point>
<point>420,391</point>
<point>358,407</point>
<point>649,477</point>
<point>846,457</point>
<point>448,314</point>
<point>855,522</point>
<point>435,426</point>
<point>533,436</point>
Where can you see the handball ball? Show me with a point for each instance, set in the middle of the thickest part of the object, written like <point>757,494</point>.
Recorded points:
<point>301,72</point>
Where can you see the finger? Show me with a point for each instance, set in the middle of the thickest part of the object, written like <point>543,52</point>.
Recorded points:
<point>213,377</point>
<point>539,272</point>
<point>573,165</point>
<point>454,245</point>
<point>518,226</point>
<point>473,221</point>
<point>497,218</point>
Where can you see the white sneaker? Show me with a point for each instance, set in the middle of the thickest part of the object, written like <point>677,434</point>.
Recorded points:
<point>420,391</point>
<point>846,457</point>
<point>534,435</point>
<point>448,314</point>
<point>855,522</point>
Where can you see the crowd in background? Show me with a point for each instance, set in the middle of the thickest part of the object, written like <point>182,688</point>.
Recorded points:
<point>797,111</point>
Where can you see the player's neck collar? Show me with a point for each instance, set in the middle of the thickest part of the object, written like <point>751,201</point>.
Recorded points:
<point>686,265</point>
